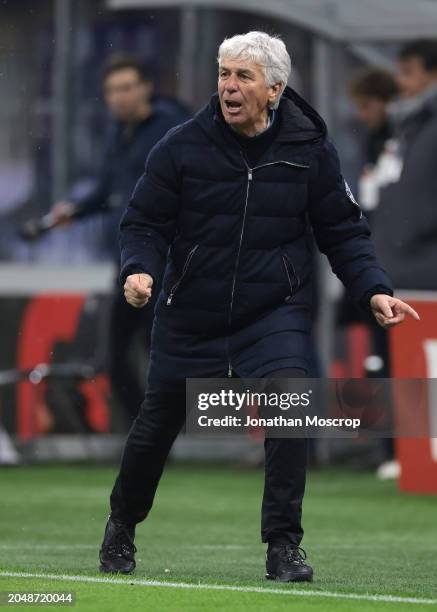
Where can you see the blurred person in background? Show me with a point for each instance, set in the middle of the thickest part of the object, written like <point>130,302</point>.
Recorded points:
<point>405,228</point>
<point>371,91</point>
<point>224,212</point>
<point>139,121</point>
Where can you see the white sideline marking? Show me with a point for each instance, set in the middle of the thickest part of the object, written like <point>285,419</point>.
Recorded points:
<point>222,587</point>
<point>45,546</point>
<point>359,546</point>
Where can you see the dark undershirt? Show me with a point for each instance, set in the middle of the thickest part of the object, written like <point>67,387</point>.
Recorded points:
<point>254,147</point>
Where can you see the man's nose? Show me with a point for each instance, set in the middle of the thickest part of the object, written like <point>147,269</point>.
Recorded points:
<point>231,84</point>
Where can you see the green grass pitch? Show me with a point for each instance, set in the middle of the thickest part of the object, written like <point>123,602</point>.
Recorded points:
<point>363,538</point>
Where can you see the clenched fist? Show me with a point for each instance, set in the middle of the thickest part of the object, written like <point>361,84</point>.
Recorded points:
<point>138,289</point>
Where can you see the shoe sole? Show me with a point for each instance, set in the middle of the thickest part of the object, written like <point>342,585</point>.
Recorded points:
<point>296,578</point>
<point>106,570</point>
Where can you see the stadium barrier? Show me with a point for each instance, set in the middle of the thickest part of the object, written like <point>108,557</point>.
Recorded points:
<point>413,354</point>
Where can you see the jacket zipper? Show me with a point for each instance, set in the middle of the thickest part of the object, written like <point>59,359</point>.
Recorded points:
<point>234,279</point>
<point>249,181</point>
<point>184,271</point>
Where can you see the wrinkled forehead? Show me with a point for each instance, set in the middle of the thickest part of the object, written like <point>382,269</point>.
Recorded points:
<point>240,64</point>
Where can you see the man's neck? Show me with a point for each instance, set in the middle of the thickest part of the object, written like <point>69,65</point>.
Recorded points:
<point>258,128</point>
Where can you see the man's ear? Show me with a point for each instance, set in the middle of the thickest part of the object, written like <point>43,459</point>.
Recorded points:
<point>274,91</point>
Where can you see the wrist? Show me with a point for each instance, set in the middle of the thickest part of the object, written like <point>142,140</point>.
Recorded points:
<point>366,300</point>
<point>133,269</point>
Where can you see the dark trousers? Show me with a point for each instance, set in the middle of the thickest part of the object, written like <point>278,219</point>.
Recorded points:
<point>161,417</point>
<point>126,326</point>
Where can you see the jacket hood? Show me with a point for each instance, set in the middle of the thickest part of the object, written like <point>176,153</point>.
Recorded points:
<point>299,121</point>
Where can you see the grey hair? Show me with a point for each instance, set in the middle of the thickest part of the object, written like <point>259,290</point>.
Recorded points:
<point>269,52</point>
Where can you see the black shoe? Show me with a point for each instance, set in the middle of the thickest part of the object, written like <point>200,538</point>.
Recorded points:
<point>286,563</point>
<point>117,554</point>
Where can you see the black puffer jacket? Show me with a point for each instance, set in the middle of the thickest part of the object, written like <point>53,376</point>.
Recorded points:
<point>238,271</point>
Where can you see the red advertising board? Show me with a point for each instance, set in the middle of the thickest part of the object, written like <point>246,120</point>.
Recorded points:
<point>46,320</point>
<point>413,354</point>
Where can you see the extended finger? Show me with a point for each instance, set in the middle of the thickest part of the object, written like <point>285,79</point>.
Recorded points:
<point>407,308</point>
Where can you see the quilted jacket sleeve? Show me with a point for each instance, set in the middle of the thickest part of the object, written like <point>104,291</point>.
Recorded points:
<point>149,223</point>
<point>342,232</point>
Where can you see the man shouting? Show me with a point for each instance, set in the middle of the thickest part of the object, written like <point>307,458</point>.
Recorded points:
<point>225,211</point>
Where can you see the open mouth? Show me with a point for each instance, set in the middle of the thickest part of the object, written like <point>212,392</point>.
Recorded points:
<point>232,106</point>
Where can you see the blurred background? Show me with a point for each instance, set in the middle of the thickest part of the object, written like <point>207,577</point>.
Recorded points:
<point>87,88</point>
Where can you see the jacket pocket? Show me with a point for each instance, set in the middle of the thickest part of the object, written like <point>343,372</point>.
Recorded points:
<point>177,284</point>
<point>291,276</point>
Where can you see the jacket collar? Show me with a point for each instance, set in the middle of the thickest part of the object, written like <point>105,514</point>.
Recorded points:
<point>299,121</point>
